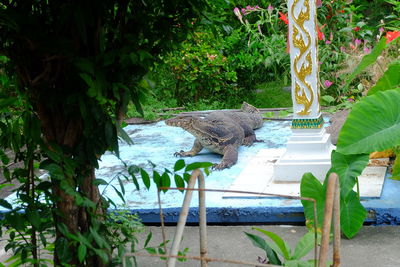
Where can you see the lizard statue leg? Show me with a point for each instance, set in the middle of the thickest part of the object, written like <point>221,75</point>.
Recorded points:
<point>249,136</point>
<point>197,147</point>
<point>229,158</point>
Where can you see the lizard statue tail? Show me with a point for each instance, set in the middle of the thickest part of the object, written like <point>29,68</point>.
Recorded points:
<point>246,107</point>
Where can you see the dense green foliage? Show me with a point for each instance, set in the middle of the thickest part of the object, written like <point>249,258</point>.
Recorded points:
<point>221,64</point>
<point>76,64</point>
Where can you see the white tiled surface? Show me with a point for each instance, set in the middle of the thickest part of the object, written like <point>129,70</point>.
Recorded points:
<point>257,176</point>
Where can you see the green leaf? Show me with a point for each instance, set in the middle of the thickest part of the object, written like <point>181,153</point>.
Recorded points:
<point>157,179</point>
<point>88,79</point>
<point>197,165</point>
<point>305,245</point>
<point>282,248</point>
<point>121,185</point>
<point>151,250</point>
<point>123,135</point>
<point>34,218</point>
<point>186,177</point>
<point>352,215</point>
<point>5,204</point>
<point>102,254</point>
<point>297,263</point>
<point>135,181</point>
<point>101,242</point>
<point>396,165</point>
<point>389,80</point>
<point>179,165</point>
<point>328,99</point>
<point>100,182</point>
<point>368,59</point>
<point>348,167</point>
<point>165,181</point>
<point>111,137</point>
<point>81,252</point>
<point>145,178</point>
<point>148,238</point>
<point>118,193</point>
<point>261,243</point>
<point>179,181</point>
<point>312,188</point>
<point>372,125</point>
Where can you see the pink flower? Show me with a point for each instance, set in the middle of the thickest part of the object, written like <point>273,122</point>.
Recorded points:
<point>367,50</point>
<point>381,29</point>
<point>270,7</point>
<point>357,41</point>
<point>236,11</point>
<point>342,49</point>
<point>318,3</point>
<point>327,83</point>
<point>352,47</point>
<point>238,14</point>
<point>328,42</point>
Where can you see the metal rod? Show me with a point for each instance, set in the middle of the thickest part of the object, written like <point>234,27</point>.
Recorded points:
<point>336,226</point>
<point>182,220</point>
<point>326,228</point>
<point>238,191</point>
<point>202,219</point>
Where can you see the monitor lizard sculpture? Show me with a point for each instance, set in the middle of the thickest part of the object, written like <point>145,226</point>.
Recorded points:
<point>221,132</point>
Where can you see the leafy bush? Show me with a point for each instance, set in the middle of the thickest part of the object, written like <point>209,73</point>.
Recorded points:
<point>279,252</point>
<point>200,70</point>
<point>257,49</point>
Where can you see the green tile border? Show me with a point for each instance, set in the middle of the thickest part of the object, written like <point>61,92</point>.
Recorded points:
<point>308,123</point>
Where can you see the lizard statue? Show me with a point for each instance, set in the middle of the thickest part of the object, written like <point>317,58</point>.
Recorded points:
<point>221,132</point>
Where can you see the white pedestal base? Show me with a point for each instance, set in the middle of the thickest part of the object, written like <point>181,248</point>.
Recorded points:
<point>308,150</point>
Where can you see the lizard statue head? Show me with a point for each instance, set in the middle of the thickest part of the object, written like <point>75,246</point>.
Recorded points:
<point>184,122</point>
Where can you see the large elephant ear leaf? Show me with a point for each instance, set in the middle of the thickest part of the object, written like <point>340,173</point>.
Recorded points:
<point>372,125</point>
<point>348,167</point>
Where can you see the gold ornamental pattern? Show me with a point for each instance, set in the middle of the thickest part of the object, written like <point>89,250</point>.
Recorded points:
<point>305,53</point>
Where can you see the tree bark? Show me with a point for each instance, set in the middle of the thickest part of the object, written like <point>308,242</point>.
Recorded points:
<point>68,132</point>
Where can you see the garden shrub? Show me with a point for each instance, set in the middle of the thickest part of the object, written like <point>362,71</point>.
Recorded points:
<point>200,70</point>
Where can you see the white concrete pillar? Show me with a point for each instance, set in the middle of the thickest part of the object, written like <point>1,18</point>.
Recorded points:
<point>309,147</point>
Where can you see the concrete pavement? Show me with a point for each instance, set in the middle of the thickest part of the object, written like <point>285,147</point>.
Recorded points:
<point>373,246</point>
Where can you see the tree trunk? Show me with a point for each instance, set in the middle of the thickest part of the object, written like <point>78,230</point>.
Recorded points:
<point>67,132</point>
<point>66,213</point>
